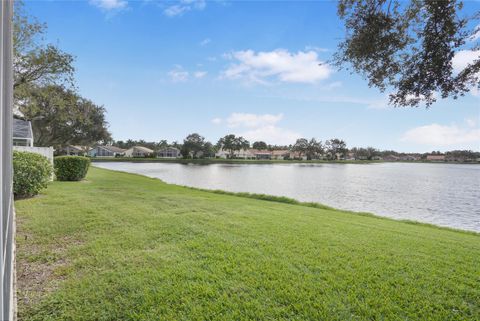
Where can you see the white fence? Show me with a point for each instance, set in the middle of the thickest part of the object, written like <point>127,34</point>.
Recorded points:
<point>44,151</point>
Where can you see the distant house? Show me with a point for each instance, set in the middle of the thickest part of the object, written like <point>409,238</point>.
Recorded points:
<point>280,154</point>
<point>261,154</point>
<point>297,155</point>
<point>243,153</point>
<point>391,158</point>
<point>436,158</point>
<point>169,152</point>
<point>409,158</point>
<point>22,133</point>
<point>74,150</point>
<point>138,151</point>
<point>106,151</point>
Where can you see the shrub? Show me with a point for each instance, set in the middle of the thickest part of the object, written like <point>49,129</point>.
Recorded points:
<point>31,173</point>
<point>71,168</point>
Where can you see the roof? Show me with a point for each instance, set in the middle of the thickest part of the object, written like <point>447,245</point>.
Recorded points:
<point>143,149</point>
<point>260,151</point>
<point>113,149</point>
<point>22,129</point>
<point>78,147</point>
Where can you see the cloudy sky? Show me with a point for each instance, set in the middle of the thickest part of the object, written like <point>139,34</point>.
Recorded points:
<point>258,69</point>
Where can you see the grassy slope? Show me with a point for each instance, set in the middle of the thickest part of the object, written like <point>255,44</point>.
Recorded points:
<point>126,247</point>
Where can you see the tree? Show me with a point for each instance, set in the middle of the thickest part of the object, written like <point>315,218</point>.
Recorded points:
<point>193,144</point>
<point>34,62</point>
<point>336,147</point>
<point>301,146</point>
<point>208,150</point>
<point>314,148</point>
<point>260,145</point>
<point>232,143</point>
<point>409,47</point>
<point>60,117</point>
<point>364,153</point>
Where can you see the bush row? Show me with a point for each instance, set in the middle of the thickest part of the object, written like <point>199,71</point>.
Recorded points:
<point>32,172</point>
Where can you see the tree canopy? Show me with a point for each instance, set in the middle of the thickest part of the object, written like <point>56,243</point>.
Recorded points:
<point>409,47</point>
<point>60,117</point>
<point>232,143</point>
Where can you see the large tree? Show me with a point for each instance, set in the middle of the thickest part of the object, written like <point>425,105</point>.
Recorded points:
<point>409,47</point>
<point>314,149</point>
<point>232,143</point>
<point>301,146</point>
<point>193,145</point>
<point>336,147</point>
<point>60,117</point>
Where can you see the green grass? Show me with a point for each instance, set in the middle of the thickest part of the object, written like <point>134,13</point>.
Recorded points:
<point>125,247</point>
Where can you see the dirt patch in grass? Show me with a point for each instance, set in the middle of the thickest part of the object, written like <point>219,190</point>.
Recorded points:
<point>41,268</point>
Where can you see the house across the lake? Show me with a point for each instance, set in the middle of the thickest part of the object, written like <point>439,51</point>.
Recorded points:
<point>243,153</point>
<point>169,152</point>
<point>74,150</point>
<point>280,154</point>
<point>436,158</point>
<point>22,133</point>
<point>106,151</point>
<point>138,151</point>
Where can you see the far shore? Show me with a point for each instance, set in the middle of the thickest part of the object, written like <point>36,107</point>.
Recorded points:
<point>206,161</point>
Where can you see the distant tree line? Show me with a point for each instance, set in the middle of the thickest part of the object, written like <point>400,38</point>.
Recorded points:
<point>196,146</point>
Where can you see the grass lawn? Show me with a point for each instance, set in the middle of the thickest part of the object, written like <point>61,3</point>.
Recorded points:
<point>125,247</point>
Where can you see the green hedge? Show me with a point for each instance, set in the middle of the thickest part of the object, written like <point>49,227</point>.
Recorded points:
<point>71,168</point>
<point>31,173</point>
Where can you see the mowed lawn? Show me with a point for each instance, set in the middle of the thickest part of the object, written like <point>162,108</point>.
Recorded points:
<point>125,247</point>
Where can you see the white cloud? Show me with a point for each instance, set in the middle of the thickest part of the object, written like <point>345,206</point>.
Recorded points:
<point>280,64</point>
<point>109,4</point>
<point>178,74</point>
<point>200,74</point>
<point>443,135</point>
<point>255,127</point>
<point>217,121</point>
<point>252,120</point>
<point>272,135</point>
<point>205,42</point>
<point>464,57</point>
<point>183,6</point>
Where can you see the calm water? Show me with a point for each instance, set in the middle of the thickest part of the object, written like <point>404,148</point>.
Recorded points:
<point>442,194</point>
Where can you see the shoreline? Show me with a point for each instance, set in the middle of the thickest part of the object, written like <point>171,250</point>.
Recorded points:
<point>208,161</point>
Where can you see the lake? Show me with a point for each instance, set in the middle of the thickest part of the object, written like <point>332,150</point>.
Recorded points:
<point>441,194</point>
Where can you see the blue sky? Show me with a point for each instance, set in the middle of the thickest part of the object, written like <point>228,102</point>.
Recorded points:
<point>166,69</point>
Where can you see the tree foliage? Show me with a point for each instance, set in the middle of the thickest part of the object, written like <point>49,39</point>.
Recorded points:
<point>409,47</point>
<point>60,117</point>
<point>335,148</point>
<point>36,63</point>
<point>232,143</point>
<point>260,145</point>
<point>193,145</point>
